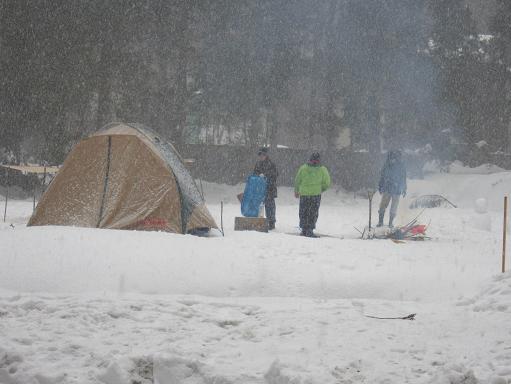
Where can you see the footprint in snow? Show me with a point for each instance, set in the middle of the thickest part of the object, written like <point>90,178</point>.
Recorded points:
<point>350,374</point>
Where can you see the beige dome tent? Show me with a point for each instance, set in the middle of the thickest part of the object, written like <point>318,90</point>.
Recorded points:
<point>124,177</point>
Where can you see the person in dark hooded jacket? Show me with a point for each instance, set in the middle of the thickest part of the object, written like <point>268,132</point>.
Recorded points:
<point>391,186</point>
<point>266,167</point>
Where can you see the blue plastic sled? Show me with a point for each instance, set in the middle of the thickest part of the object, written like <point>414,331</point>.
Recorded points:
<point>253,197</point>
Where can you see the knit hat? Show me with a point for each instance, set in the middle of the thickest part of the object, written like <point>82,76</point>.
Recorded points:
<point>394,154</point>
<point>315,157</point>
<point>263,151</point>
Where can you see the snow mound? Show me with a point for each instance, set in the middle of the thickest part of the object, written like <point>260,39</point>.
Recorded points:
<point>278,374</point>
<point>495,297</point>
<point>455,374</point>
<point>157,369</point>
<point>458,168</point>
<point>481,205</point>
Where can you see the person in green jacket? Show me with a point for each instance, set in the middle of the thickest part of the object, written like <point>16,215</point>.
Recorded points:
<point>311,181</point>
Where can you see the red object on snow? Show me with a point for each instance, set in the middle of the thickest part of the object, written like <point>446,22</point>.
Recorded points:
<point>418,230</point>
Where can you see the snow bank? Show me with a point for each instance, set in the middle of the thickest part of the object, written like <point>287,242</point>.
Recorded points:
<point>74,260</point>
<point>463,253</point>
<point>457,167</point>
<point>465,189</point>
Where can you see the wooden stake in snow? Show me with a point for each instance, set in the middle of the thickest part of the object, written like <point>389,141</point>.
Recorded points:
<point>504,236</point>
<point>6,193</point>
<point>222,217</point>
<point>370,194</point>
<point>6,198</point>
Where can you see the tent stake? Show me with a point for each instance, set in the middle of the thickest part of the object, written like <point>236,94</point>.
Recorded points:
<point>504,236</point>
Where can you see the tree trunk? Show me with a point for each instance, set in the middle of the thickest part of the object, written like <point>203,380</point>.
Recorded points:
<point>182,45</point>
<point>105,111</point>
<point>273,127</point>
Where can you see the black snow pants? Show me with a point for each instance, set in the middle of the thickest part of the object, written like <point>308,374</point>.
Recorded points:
<point>270,208</point>
<point>309,212</point>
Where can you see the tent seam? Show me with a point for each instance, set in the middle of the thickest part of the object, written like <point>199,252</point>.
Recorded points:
<point>105,186</point>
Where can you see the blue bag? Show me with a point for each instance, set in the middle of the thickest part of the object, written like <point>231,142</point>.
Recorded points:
<point>253,197</point>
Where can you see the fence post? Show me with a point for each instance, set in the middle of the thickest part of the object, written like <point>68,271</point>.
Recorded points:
<point>504,236</point>
<point>6,198</point>
<point>222,218</point>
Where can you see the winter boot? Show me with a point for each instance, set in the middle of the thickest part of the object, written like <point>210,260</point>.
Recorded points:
<point>380,219</point>
<point>391,221</point>
<point>308,233</point>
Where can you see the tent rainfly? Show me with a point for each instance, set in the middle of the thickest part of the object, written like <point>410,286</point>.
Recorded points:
<point>124,177</point>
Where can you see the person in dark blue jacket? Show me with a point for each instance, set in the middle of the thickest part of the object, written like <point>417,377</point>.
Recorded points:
<point>266,167</point>
<point>392,185</point>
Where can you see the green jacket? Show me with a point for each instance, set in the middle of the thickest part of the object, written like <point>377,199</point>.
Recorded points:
<point>312,180</point>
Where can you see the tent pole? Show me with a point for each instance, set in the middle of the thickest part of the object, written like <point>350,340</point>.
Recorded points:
<point>201,189</point>
<point>35,193</point>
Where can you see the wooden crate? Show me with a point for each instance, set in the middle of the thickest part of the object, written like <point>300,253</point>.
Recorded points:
<point>259,224</point>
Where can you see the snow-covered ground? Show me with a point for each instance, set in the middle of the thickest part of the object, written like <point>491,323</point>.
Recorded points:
<point>104,306</point>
